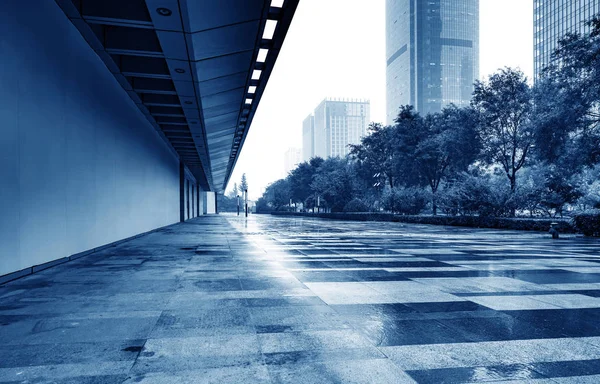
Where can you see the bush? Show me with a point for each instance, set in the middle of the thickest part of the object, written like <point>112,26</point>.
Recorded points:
<point>356,205</point>
<point>520,224</point>
<point>476,195</point>
<point>588,223</point>
<point>406,201</point>
<point>589,181</point>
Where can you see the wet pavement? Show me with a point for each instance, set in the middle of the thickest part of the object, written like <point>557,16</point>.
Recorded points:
<point>222,299</point>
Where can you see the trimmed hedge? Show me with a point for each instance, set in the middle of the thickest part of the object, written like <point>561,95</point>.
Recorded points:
<point>521,224</point>
<point>588,223</point>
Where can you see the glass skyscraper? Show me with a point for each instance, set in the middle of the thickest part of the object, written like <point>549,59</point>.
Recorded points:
<point>432,52</point>
<point>308,138</point>
<point>335,124</point>
<point>555,18</point>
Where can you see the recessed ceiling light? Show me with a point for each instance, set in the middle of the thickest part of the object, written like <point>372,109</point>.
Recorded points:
<point>262,55</point>
<point>179,70</point>
<point>269,29</point>
<point>164,11</point>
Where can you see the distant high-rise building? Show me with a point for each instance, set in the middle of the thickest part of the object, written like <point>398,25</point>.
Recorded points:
<point>308,138</point>
<point>292,157</point>
<point>432,52</point>
<point>552,20</point>
<point>336,124</point>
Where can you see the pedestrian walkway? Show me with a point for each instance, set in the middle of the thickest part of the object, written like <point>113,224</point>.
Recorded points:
<point>224,299</point>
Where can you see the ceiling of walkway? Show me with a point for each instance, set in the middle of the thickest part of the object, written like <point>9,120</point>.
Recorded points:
<point>196,68</point>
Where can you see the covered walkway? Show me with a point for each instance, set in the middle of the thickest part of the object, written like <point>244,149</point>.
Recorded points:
<point>222,299</point>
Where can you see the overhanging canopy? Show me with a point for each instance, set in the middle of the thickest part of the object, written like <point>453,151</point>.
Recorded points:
<point>195,68</point>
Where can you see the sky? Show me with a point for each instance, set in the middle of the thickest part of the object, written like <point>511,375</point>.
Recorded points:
<point>336,48</point>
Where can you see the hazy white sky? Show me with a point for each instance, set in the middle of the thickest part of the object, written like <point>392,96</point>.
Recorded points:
<point>336,48</point>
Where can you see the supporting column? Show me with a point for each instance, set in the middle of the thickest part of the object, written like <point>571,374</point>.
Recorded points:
<point>193,201</point>
<point>198,199</point>
<point>181,192</point>
<point>187,200</point>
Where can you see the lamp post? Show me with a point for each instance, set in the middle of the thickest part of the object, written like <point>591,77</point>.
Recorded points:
<point>238,205</point>
<point>246,200</point>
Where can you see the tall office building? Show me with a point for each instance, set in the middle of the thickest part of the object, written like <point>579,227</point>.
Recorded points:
<point>335,124</point>
<point>308,138</point>
<point>338,123</point>
<point>555,18</point>
<point>432,52</point>
<point>292,157</point>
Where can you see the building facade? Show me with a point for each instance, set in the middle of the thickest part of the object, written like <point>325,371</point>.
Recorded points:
<point>555,18</point>
<point>292,157</point>
<point>432,54</point>
<point>308,138</point>
<point>338,123</point>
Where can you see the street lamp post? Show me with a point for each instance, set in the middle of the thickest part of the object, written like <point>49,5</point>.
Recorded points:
<point>238,205</point>
<point>246,198</point>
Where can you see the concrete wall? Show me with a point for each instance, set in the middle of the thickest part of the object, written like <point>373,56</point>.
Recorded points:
<point>210,202</point>
<point>79,164</point>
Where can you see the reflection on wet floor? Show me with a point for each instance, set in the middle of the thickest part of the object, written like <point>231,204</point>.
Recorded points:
<point>290,300</point>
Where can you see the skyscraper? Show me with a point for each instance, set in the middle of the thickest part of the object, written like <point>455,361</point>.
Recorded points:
<point>432,52</point>
<point>308,138</point>
<point>292,157</point>
<point>553,19</point>
<point>336,124</point>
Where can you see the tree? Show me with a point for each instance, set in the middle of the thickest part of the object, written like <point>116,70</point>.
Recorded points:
<point>301,177</point>
<point>504,105</point>
<point>376,152</point>
<point>333,182</point>
<point>567,100</point>
<point>589,184</point>
<point>243,184</point>
<point>447,144</point>
<point>277,194</point>
<point>234,192</point>
<point>409,131</point>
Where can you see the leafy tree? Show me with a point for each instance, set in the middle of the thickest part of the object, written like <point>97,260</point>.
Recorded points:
<point>301,177</point>
<point>447,144</point>
<point>243,184</point>
<point>376,154</point>
<point>277,195</point>
<point>409,131</point>
<point>234,192</point>
<point>567,100</point>
<point>333,181</point>
<point>504,104</point>
<point>560,190</point>
<point>531,186</point>
<point>589,184</point>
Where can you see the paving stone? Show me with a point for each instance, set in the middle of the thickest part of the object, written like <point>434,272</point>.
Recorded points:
<point>225,299</point>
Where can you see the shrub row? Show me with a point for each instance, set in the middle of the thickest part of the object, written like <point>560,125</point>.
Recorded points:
<point>521,224</point>
<point>588,223</point>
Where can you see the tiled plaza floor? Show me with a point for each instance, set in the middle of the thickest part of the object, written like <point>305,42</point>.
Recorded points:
<point>223,299</point>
